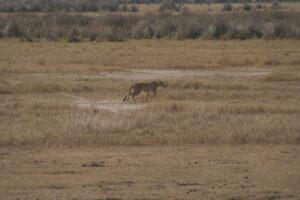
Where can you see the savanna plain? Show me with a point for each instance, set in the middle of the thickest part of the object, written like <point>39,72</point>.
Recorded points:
<point>225,127</point>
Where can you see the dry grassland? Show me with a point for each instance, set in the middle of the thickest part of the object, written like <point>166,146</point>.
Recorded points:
<point>226,127</point>
<point>121,173</point>
<point>42,85</point>
<point>90,57</point>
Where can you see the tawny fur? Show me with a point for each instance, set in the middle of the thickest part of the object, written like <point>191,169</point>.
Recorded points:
<point>137,88</point>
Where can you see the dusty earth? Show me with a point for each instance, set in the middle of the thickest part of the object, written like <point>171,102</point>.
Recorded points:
<point>190,172</point>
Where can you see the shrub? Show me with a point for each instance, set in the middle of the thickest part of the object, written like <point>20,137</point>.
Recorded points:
<point>111,5</point>
<point>259,6</point>
<point>247,7</point>
<point>275,4</point>
<point>123,8</point>
<point>169,5</point>
<point>227,7</point>
<point>134,8</point>
<point>219,28</point>
<point>189,28</point>
<point>280,30</point>
<point>73,36</point>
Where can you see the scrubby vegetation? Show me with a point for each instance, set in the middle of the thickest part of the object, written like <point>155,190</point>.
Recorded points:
<point>169,5</point>
<point>11,6</point>
<point>117,27</point>
<point>57,5</point>
<point>247,7</point>
<point>227,7</point>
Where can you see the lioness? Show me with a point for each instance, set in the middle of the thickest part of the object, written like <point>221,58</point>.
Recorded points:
<point>146,87</point>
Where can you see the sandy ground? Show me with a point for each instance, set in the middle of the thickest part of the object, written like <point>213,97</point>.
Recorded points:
<point>191,172</point>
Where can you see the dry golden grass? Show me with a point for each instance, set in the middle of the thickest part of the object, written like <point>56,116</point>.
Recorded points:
<point>35,78</point>
<point>90,57</point>
<point>174,123</point>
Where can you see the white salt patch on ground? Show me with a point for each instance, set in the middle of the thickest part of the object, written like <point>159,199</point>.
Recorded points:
<point>164,74</point>
<point>109,104</point>
<point>150,74</point>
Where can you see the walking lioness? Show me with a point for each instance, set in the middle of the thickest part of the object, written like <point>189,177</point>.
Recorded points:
<point>146,87</point>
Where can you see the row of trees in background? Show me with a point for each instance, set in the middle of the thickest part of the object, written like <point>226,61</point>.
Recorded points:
<point>184,25</point>
<point>95,5</point>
